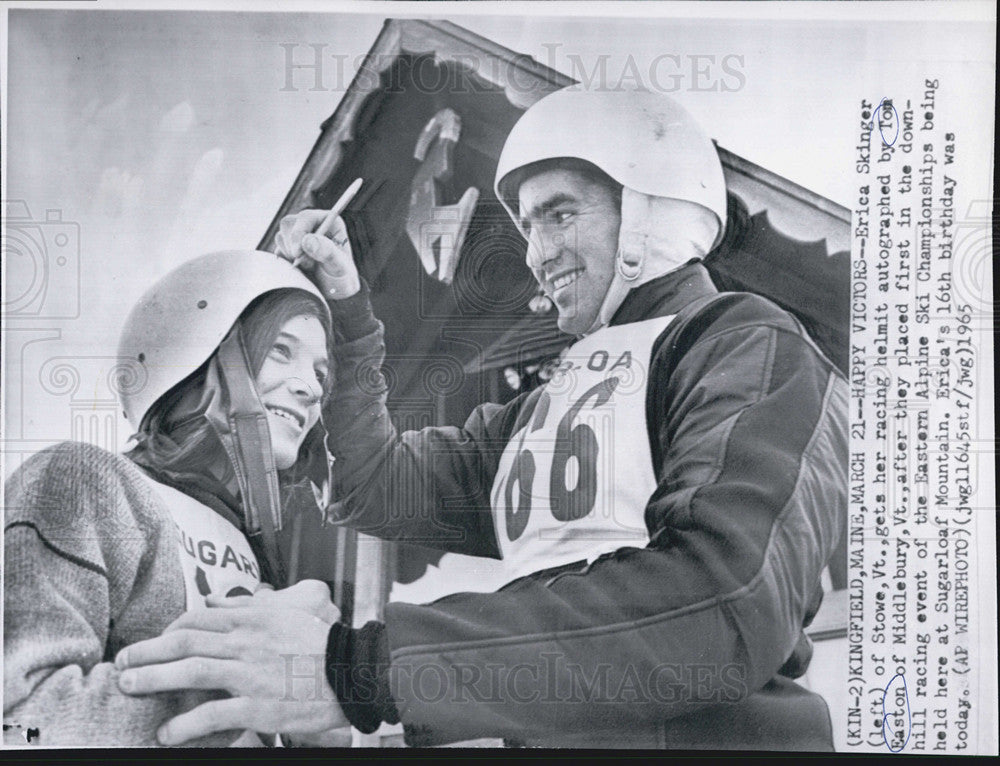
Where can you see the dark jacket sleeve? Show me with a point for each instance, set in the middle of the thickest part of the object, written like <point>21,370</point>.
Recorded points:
<point>748,428</point>
<point>429,487</point>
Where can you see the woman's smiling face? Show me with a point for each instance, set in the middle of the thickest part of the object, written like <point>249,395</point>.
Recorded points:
<point>290,385</point>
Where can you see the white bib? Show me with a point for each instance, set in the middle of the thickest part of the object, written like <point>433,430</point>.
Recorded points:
<point>574,482</point>
<point>215,556</point>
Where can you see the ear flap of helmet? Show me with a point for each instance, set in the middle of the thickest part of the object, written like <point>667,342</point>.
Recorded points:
<point>657,235</point>
<point>240,421</point>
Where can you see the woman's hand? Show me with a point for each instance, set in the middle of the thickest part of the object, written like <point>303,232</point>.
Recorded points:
<point>326,260</point>
<point>270,658</point>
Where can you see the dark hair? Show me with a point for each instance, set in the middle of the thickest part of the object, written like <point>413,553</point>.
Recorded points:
<point>178,439</point>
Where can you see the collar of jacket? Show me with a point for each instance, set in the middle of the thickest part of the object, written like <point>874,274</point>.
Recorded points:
<point>200,488</point>
<point>666,295</point>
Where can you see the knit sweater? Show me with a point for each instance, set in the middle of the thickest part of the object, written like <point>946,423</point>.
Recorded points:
<point>92,566</point>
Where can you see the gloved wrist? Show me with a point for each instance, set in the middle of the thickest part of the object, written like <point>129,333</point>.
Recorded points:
<point>357,667</point>
<point>352,316</point>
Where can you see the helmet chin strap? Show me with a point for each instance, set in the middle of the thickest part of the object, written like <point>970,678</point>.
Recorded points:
<point>658,235</point>
<point>242,427</point>
<point>628,271</point>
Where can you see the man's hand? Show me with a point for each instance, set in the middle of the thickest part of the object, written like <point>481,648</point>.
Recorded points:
<point>270,659</point>
<point>326,260</point>
<point>311,596</point>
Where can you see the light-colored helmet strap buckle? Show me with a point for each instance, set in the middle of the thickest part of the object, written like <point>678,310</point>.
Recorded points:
<point>631,253</point>
<point>628,269</point>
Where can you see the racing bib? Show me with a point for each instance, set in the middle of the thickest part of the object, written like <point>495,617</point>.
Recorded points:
<point>574,482</point>
<point>215,556</point>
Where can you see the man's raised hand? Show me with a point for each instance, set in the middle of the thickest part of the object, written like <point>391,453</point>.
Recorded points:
<point>326,259</point>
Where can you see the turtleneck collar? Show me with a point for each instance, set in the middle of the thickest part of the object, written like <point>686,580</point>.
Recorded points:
<point>666,295</point>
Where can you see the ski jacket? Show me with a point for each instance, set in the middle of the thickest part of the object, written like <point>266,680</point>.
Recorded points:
<point>688,638</point>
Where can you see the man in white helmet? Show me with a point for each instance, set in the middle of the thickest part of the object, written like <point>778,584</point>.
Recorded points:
<point>664,506</point>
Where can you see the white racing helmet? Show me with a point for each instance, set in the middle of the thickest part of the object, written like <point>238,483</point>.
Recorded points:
<point>180,321</point>
<point>649,144</point>
<point>176,327</point>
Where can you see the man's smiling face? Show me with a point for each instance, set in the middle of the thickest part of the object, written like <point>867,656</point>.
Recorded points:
<point>571,222</point>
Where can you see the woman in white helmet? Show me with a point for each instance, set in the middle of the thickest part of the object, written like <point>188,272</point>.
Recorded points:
<point>228,366</point>
<point>663,506</point>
